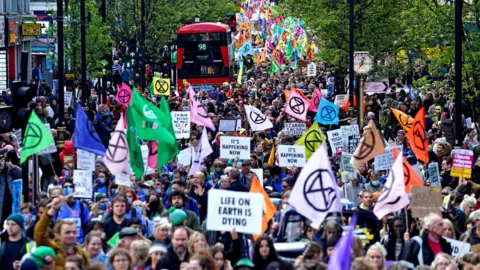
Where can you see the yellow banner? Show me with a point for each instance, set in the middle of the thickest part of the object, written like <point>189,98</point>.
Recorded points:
<point>161,86</point>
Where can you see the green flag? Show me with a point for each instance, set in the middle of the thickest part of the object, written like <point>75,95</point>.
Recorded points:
<point>36,137</point>
<point>135,152</point>
<point>169,151</point>
<point>114,241</point>
<point>174,57</point>
<point>274,68</point>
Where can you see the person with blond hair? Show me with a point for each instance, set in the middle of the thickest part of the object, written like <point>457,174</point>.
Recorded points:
<point>443,261</point>
<point>197,242</point>
<point>139,251</point>
<point>376,254</point>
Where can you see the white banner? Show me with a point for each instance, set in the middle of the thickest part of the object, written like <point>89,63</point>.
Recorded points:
<point>181,124</point>
<point>185,156</point>
<point>83,184</point>
<point>228,210</point>
<point>231,147</point>
<point>290,155</point>
<point>67,98</point>
<point>85,160</point>
<point>311,70</point>
<point>294,129</point>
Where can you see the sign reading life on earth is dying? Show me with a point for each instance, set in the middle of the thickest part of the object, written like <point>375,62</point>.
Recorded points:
<point>231,147</point>
<point>228,210</point>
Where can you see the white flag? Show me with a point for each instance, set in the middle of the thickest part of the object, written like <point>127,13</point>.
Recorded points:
<point>316,193</point>
<point>393,197</point>
<point>117,157</point>
<point>203,150</point>
<point>256,119</point>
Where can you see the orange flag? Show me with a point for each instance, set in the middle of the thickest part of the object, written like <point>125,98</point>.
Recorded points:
<point>404,119</point>
<point>371,144</point>
<point>287,93</point>
<point>417,137</point>
<point>347,104</point>
<point>410,176</point>
<point>271,158</point>
<point>269,210</point>
<point>302,94</point>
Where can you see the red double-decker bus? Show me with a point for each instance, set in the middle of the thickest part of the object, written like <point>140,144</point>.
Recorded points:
<point>204,55</point>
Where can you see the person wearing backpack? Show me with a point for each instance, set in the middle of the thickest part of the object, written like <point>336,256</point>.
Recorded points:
<point>422,249</point>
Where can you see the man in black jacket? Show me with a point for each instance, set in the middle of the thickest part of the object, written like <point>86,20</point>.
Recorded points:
<point>234,179</point>
<point>422,249</point>
<point>177,254</point>
<point>13,243</point>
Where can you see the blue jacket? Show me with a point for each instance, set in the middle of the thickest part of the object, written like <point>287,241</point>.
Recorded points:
<point>77,213</point>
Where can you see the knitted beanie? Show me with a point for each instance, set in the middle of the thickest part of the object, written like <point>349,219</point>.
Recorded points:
<point>176,216</point>
<point>17,218</point>
<point>40,253</point>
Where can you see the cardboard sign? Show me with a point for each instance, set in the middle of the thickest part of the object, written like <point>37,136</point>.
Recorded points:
<point>85,160</point>
<point>311,70</point>
<point>335,139</point>
<point>434,174</point>
<point>290,155</point>
<point>426,200</point>
<point>52,148</point>
<point>294,129</point>
<point>462,163</point>
<point>17,196</point>
<point>458,247</point>
<point>346,166</point>
<point>181,124</point>
<point>231,147</point>
<point>228,210</point>
<point>385,161</point>
<point>83,184</point>
<point>185,156</point>
<point>350,133</point>
<point>68,98</point>
<point>229,125</point>
<point>259,173</point>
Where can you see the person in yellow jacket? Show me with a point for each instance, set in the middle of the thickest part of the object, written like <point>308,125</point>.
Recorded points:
<point>65,243</point>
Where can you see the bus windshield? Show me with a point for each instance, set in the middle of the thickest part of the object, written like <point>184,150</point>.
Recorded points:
<point>202,56</point>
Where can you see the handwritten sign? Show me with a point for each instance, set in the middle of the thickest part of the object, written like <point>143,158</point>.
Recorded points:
<point>434,174</point>
<point>290,155</point>
<point>181,124</point>
<point>67,95</point>
<point>426,200</point>
<point>462,163</point>
<point>294,129</point>
<point>231,147</point>
<point>335,139</point>
<point>384,161</point>
<point>17,196</point>
<point>228,210</point>
<point>85,160</point>
<point>346,166</point>
<point>83,184</point>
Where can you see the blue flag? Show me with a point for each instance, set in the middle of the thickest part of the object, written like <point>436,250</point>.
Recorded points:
<point>340,258</point>
<point>412,93</point>
<point>85,136</point>
<point>246,49</point>
<point>327,113</point>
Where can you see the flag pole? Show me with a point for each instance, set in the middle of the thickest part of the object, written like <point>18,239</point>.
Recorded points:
<point>406,218</point>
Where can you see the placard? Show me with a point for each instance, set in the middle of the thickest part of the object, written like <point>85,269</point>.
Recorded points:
<point>462,163</point>
<point>181,124</point>
<point>185,156</point>
<point>145,152</point>
<point>17,196</point>
<point>335,139</point>
<point>459,248</point>
<point>426,200</point>
<point>347,131</point>
<point>311,70</point>
<point>52,148</point>
<point>353,141</point>
<point>229,125</point>
<point>294,129</point>
<point>67,95</point>
<point>85,160</point>
<point>341,100</point>
<point>3,62</point>
<point>346,166</point>
<point>290,155</point>
<point>83,184</point>
<point>259,173</point>
<point>434,174</point>
<point>123,179</point>
<point>385,161</point>
<point>228,210</point>
<point>231,147</point>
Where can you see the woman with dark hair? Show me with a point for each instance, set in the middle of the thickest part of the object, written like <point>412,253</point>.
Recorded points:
<point>154,206</point>
<point>264,253</point>
<point>102,185</point>
<point>202,260</point>
<point>394,241</point>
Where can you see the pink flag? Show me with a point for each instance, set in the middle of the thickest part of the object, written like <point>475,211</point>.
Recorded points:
<point>299,31</point>
<point>316,97</point>
<point>197,112</point>
<point>152,155</point>
<point>393,197</point>
<point>297,106</point>
<point>124,95</point>
<point>117,156</point>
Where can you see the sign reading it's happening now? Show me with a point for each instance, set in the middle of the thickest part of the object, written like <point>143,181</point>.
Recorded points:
<point>231,147</point>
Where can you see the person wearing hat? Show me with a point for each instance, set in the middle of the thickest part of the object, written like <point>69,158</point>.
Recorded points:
<point>13,243</point>
<point>43,257</point>
<point>127,236</point>
<point>177,200</point>
<point>244,264</point>
<point>156,253</point>
<point>65,243</point>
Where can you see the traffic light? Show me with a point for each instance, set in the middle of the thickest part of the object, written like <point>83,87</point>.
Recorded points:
<point>6,119</point>
<point>22,96</point>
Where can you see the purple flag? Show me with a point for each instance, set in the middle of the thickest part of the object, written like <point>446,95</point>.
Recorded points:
<point>341,257</point>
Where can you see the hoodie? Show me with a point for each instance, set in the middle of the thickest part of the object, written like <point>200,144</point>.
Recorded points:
<point>447,126</point>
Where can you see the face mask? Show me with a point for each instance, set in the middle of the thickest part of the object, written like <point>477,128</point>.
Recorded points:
<point>26,218</point>
<point>101,180</point>
<point>158,190</point>
<point>67,191</point>
<point>375,183</point>
<point>129,200</point>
